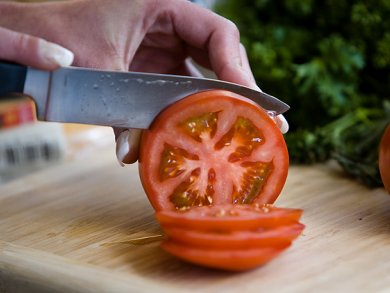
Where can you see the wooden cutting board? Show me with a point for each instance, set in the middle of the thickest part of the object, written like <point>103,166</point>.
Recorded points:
<point>87,226</point>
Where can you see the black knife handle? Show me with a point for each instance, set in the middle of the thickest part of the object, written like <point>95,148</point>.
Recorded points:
<point>12,78</point>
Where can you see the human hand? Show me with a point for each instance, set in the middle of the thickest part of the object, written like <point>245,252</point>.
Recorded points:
<point>32,51</point>
<point>148,36</point>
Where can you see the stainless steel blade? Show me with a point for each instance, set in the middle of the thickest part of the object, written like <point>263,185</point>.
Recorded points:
<point>120,99</point>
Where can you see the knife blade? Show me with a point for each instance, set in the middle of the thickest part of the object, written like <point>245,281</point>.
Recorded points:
<point>112,98</point>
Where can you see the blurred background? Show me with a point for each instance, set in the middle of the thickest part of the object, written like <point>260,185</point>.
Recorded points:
<point>328,59</point>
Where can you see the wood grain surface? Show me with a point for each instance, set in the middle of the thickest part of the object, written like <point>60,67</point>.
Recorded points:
<point>87,226</point>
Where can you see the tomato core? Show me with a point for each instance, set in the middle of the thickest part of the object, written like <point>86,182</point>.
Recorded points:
<point>241,139</point>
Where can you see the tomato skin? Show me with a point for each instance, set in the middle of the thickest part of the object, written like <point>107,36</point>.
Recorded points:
<point>231,236</point>
<point>229,217</point>
<point>230,260</point>
<point>384,159</point>
<point>278,236</point>
<point>165,140</point>
<point>211,164</point>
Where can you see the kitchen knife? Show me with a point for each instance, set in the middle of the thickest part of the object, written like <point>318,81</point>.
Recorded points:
<point>112,98</point>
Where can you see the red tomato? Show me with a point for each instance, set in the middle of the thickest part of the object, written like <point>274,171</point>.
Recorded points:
<point>233,260</point>
<point>213,147</point>
<point>236,239</point>
<point>229,217</point>
<point>384,158</point>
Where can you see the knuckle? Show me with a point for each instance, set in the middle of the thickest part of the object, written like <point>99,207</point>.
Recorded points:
<point>24,43</point>
<point>21,41</point>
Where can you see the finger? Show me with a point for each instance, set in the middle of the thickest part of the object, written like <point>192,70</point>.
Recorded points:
<point>200,56</point>
<point>127,140</point>
<point>191,69</point>
<point>282,123</point>
<point>127,146</point>
<point>245,63</point>
<point>203,29</point>
<point>32,51</point>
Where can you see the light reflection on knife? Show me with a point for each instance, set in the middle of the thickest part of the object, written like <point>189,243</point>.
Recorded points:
<point>112,98</point>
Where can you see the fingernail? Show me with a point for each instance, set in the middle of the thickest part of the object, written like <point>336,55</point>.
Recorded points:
<point>282,123</point>
<point>256,87</point>
<point>127,146</point>
<point>57,54</point>
<point>122,146</point>
<point>192,69</point>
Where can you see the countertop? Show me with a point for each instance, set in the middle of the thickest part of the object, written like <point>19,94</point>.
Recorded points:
<point>86,226</point>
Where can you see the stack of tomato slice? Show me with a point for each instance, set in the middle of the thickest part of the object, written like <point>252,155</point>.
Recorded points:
<point>230,237</point>
<point>211,165</point>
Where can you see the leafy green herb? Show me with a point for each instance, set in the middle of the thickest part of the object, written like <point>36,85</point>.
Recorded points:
<point>352,140</point>
<point>329,60</point>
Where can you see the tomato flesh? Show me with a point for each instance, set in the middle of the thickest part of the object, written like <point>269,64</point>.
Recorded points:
<point>235,239</point>
<point>213,147</point>
<point>229,217</point>
<point>231,236</point>
<point>211,165</point>
<point>232,260</point>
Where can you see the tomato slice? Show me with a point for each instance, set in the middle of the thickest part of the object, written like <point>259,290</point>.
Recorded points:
<point>236,239</point>
<point>213,147</point>
<point>384,158</point>
<point>229,217</point>
<point>232,260</point>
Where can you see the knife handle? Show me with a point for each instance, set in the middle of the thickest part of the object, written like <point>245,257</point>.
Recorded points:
<point>12,78</point>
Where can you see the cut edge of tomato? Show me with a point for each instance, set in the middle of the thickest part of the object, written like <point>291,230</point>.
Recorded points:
<point>230,260</point>
<point>235,239</point>
<point>277,217</point>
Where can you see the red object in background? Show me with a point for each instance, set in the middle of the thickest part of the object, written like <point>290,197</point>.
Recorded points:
<point>16,111</point>
<point>384,159</point>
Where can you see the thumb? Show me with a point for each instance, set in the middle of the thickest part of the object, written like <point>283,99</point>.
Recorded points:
<point>32,51</point>
<point>127,145</point>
